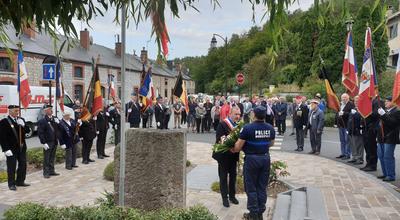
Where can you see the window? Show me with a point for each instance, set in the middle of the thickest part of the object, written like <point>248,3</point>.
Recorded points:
<point>119,91</point>
<point>5,64</point>
<point>166,81</point>
<point>103,91</point>
<point>78,91</point>
<point>395,58</point>
<point>78,72</point>
<point>166,93</point>
<point>393,31</point>
<point>119,77</point>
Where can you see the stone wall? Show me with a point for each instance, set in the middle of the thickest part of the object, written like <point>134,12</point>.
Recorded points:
<point>155,168</point>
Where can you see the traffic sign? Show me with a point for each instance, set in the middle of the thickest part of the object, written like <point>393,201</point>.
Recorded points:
<point>49,71</point>
<point>240,78</point>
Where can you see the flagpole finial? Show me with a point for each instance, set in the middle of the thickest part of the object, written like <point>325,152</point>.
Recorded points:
<point>349,24</point>
<point>20,44</point>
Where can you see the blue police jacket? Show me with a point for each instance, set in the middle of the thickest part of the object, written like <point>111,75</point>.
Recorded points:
<point>258,136</point>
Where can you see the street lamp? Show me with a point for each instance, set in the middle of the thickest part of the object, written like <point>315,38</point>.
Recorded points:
<point>214,45</point>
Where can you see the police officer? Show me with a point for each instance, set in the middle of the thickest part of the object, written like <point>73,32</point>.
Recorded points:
<point>255,139</point>
<point>115,120</point>
<point>102,128</point>
<point>14,146</point>
<point>48,136</point>
<point>133,112</point>
<point>68,140</point>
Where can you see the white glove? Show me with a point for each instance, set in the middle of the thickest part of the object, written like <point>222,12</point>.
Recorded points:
<point>140,104</point>
<point>108,114</point>
<point>115,127</point>
<point>381,111</point>
<point>353,111</point>
<point>8,153</point>
<point>129,110</point>
<point>223,139</point>
<point>97,132</point>
<point>95,118</point>
<point>20,122</point>
<point>304,127</point>
<point>63,146</point>
<point>56,120</point>
<point>81,138</point>
<point>158,123</point>
<point>79,122</point>
<point>341,113</point>
<point>46,147</point>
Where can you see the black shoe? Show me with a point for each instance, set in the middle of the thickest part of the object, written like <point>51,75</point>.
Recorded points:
<point>54,174</point>
<point>297,149</point>
<point>311,152</point>
<point>358,162</point>
<point>250,216</point>
<point>260,216</point>
<point>100,157</point>
<point>85,162</point>
<point>225,202</point>
<point>387,179</point>
<point>351,161</point>
<point>90,160</point>
<point>104,155</point>
<point>13,188</point>
<point>234,200</point>
<point>68,168</point>
<point>339,157</point>
<point>317,153</point>
<point>23,184</point>
<point>345,158</point>
<point>300,149</point>
<point>368,169</point>
<point>291,134</point>
<point>381,177</point>
<point>75,166</point>
<point>46,176</point>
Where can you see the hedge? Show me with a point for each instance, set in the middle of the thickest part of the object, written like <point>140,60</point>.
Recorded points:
<point>3,176</point>
<point>32,211</point>
<point>108,172</point>
<point>35,156</point>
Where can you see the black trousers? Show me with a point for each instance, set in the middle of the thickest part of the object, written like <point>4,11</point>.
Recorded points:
<point>216,123</point>
<point>183,117</point>
<point>200,122</point>
<point>208,122</point>
<point>281,124</point>
<point>134,125</point>
<point>300,137</point>
<point>225,171</point>
<point>70,157</point>
<point>315,140</point>
<point>166,121</point>
<point>370,146</point>
<point>117,136</point>
<point>86,147</point>
<point>144,122</point>
<point>101,143</point>
<point>19,157</point>
<point>49,159</point>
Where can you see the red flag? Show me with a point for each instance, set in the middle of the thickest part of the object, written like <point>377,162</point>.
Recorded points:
<point>165,40</point>
<point>160,28</point>
<point>23,84</point>
<point>396,85</point>
<point>367,84</point>
<point>349,70</point>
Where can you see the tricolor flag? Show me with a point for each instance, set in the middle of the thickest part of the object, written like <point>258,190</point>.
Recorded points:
<point>146,91</point>
<point>367,84</point>
<point>111,86</point>
<point>97,97</point>
<point>23,84</point>
<point>180,91</point>
<point>349,70</point>
<point>396,85</point>
<point>331,97</point>
<point>59,86</point>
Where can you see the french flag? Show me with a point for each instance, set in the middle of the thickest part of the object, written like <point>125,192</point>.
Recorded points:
<point>111,86</point>
<point>349,70</point>
<point>367,84</point>
<point>147,90</point>
<point>23,84</point>
<point>396,85</point>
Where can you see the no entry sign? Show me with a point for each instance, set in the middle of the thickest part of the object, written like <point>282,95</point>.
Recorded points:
<point>240,78</point>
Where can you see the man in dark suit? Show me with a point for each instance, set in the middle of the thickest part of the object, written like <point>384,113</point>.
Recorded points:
<point>102,128</point>
<point>68,140</point>
<point>12,141</point>
<point>355,129</point>
<point>48,136</point>
<point>316,125</point>
<point>87,134</point>
<point>159,112</point>
<point>227,161</point>
<point>133,112</point>
<point>280,115</point>
<point>342,118</point>
<point>388,139</point>
<point>300,120</point>
<point>115,120</point>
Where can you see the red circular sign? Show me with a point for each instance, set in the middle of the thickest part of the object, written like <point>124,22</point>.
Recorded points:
<point>240,78</point>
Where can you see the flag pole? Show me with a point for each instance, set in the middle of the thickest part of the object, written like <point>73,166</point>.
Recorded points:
<point>20,45</point>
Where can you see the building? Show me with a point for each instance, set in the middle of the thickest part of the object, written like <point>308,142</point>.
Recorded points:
<point>393,20</point>
<point>77,64</point>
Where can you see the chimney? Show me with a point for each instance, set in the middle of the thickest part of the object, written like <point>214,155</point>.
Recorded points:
<point>29,30</point>
<point>389,11</point>
<point>85,39</point>
<point>143,55</point>
<point>118,46</point>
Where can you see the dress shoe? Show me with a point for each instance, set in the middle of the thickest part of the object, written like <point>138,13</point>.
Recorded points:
<point>250,216</point>
<point>351,161</point>
<point>291,134</point>
<point>46,176</point>
<point>368,169</point>
<point>381,177</point>
<point>345,158</point>
<point>387,179</point>
<point>340,156</point>
<point>75,166</point>
<point>297,149</point>
<point>85,162</point>
<point>359,162</point>
<point>90,160</point>
<point>225,202</point>
<point>317,153</point>
<point>104,155</point>
<point>23,184</point>
<point>54,174</point>
<point>68,168</point>
<point>100,157</point>
<point>311,152</point>
<point>13,188</point>
<point>234,200</point>
<point>300,149</point>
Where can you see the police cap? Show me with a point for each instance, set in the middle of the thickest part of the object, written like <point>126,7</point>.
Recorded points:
<point>13,106</point>
<point>389,98</point>
<point>260,112</point>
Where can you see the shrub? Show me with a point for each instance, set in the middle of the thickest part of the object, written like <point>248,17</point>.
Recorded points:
<point>239,185</point>
<point>34,211</point>
<point>188,163</point>
<point>35,156</point>
<point>3,176</point>
<point>329,119</point>
<point>109,171</point>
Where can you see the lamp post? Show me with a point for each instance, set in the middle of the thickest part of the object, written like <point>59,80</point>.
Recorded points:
<point>214,45</point>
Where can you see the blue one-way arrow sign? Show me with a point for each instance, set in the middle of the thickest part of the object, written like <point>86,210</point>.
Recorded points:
<point>49,70</point>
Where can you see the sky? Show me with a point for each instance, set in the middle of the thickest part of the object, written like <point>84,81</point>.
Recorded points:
<point>190,34</point>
